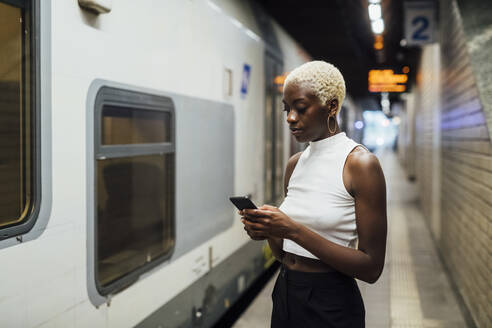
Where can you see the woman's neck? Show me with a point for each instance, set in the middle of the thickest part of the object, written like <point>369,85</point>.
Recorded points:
<point>327,134</point>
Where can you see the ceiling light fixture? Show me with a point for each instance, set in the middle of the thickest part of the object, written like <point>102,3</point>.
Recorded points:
<point>377,26</point>
<point>374,11</point>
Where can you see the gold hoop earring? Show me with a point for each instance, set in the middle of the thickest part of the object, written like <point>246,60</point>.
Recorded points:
<point>329,128</point>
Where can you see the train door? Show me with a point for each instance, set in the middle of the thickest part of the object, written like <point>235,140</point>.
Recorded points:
<point>274,121</point>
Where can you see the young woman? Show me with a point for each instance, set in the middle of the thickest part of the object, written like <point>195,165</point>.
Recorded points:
<point>331,227</point>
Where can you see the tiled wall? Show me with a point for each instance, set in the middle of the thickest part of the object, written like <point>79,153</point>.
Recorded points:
<point>477,25</point>
<point>455,158</point>
<point>427,136</point>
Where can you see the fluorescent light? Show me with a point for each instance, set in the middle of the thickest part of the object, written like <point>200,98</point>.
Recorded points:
<point>236,22</point>
<point>377,26</point>
<point>252,35</point>
<point>214,6</point>
<point>374,1</point>
<point>374,11</point>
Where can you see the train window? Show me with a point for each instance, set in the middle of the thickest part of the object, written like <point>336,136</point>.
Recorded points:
<point>134,186</point>
<point>18,124</point>
<point>133,126</point>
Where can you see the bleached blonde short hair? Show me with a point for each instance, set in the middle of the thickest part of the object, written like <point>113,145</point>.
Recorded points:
<point>324,79</point>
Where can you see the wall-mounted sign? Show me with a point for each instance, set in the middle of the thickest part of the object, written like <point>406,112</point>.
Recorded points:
<point>387,88</point>
<point>419,22</point>
<point>279,81</point>
<point>385,80</point>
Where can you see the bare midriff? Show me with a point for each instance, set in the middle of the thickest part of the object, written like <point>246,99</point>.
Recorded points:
<point>306,264</point>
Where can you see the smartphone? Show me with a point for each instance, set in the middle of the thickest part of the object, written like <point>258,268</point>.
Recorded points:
<point>243,202</point>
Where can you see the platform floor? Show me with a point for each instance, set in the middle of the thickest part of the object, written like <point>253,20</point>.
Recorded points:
<point>414,290</point>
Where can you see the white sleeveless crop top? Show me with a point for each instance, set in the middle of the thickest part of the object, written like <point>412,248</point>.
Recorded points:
<point>316,196</point>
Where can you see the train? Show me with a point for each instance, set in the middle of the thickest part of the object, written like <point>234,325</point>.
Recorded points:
<point>126,126</point>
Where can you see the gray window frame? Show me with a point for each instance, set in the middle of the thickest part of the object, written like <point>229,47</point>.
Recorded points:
<point>120,97</point>
<point>41,146</point>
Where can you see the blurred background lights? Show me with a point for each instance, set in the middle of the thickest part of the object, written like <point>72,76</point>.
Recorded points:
<point>379,131</point>
<point>359,125</point>
<point>378,42</point>
<point>385,103</point>
<point>374,11</point>
<point>378,45</point>
<point>377,26</point>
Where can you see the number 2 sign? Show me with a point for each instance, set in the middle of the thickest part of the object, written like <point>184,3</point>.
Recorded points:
<point>419,22</point>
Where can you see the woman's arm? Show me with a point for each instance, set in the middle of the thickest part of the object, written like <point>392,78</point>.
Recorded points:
<point>368,188</point>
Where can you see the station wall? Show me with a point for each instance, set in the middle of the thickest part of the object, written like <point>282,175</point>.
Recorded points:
<point>453,161</point>
<point>427,136</point>
<point>477,26</point>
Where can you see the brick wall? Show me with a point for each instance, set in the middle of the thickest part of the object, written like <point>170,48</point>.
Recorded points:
<point>462,224</point>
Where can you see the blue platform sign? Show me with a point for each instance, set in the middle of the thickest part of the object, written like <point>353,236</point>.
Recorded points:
<point>245,79</point>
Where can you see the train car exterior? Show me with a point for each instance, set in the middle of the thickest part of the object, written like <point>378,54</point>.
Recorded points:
<point>134,128</point>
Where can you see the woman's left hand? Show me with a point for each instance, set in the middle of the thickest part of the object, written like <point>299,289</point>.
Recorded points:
<point>268,221</point>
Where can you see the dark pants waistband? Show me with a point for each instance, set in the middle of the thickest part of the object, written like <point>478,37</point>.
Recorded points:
<point>314,279</point>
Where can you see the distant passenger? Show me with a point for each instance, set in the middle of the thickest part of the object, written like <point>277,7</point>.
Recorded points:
<point>331,227</point>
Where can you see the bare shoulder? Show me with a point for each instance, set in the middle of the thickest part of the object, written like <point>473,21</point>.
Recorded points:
<point>362,163</point>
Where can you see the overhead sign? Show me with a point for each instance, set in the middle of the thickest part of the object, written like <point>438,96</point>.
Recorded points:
<point>385,80</point>
<point>420,22</point>
<point>245,79</point>
<point>279,81</point>
<point>387,88</point>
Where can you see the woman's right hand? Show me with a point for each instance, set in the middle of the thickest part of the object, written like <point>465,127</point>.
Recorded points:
<point>252,233</point>
<point>269,222</point>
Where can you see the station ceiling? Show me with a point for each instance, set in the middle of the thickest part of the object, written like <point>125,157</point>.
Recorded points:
<point>339,32</point>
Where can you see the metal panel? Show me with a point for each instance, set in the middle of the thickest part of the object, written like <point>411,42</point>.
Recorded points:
<point>213,294</point>
<point>204,170</point>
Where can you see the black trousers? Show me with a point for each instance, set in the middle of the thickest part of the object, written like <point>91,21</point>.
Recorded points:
<point>316,299</point>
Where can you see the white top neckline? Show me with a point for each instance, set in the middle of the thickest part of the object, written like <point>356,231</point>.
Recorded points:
<point>327,144</point>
